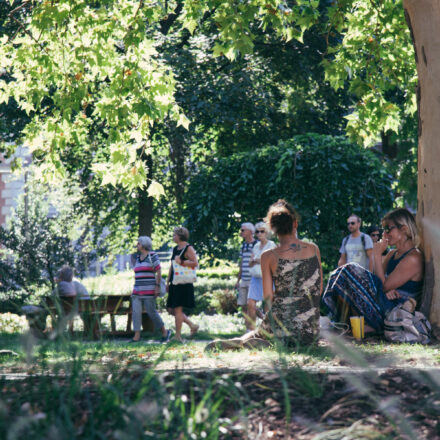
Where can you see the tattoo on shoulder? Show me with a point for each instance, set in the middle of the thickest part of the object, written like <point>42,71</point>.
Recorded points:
<point>297,247</point>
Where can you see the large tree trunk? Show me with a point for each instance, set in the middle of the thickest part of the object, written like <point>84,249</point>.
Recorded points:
<point>145,206</point>
<point>423,17</point>
<point>178,154</point>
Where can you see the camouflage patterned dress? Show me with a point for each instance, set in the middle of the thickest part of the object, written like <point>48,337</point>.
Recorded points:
<point>294,316</point>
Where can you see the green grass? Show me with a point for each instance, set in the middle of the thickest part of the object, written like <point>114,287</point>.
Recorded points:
<point>112,389</point>
<point>324,356</point>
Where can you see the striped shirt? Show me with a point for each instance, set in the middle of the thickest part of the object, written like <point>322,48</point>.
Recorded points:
<point>245,255</point>
<point>145,274</point>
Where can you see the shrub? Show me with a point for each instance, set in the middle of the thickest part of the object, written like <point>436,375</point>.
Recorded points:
<point>326,178</point>
<point>224,301</point>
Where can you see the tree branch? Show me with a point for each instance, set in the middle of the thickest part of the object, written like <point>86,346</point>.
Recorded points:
<point>141,3</point>
<point>30,34</point>
<point>26,2</point>
<point>166,24</point>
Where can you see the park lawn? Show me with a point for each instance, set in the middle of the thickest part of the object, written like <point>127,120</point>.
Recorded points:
<point>108,354</point>
<point>73,387</point>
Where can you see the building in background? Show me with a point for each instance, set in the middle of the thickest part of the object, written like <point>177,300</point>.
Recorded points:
<point>11,186</point>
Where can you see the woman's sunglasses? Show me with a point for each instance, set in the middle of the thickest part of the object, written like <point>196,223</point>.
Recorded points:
<point>260,231</point>
<point>388,229</point>
<point>375,235</point>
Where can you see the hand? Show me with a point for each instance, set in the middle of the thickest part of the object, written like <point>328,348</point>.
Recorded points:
<point>237,284</point>
<point>380,247</point>
<point>178,260</point>
<point>392,294</point>
<point>157,291</point>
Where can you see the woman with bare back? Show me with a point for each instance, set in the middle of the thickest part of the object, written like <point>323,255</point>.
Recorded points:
<point>294,269</point>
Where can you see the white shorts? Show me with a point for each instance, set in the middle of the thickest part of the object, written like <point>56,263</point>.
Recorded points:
<point>256,289</point>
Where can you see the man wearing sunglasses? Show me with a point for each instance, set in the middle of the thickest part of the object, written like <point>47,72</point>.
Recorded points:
<point>247,231</point>
<point>356,247</point>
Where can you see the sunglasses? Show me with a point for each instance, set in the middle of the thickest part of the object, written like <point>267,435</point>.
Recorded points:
<point>260,232</point>
<point>388,229</point>
<point>375,235</point>
<point>351,223</point>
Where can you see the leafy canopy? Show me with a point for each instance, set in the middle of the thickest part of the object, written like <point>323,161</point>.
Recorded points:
<point>375,56</point>
<point>75,66</point>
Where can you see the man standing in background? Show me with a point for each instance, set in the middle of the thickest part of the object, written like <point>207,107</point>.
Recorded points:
<point>356,247</point>
<point>247,231</point>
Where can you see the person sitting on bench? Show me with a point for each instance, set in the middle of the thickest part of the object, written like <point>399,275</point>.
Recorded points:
<point>67,286</point>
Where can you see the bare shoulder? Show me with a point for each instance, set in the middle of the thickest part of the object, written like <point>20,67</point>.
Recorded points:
<point>268,255</point>
<point>309,248</point>
<point>415,256</point>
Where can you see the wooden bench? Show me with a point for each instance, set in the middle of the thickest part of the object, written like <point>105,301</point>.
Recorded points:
<point>91,311</point>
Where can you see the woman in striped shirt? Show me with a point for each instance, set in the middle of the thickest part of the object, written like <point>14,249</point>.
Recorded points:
<point>147,276</point>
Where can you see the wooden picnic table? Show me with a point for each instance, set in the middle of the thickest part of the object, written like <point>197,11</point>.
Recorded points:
<point>91,311</point>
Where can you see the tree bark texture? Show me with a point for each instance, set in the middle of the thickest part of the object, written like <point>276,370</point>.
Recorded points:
<point>178,155</point>
<point>145,202</point>
<point>423,17</point>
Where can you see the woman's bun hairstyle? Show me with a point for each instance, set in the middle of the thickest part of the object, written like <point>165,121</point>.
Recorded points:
<point>281,217</point>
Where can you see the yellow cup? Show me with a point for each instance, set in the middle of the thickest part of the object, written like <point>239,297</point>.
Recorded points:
<point>357,326</point>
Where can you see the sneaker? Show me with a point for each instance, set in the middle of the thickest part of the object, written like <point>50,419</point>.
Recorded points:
<point>167,337</point>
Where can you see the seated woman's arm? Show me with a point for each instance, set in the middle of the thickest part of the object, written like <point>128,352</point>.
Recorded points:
<point>379,264</point>
<point>410,268</point>
<point>318,254</point>
<point>266,259</point>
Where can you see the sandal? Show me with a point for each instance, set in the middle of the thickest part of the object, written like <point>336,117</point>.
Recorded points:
<point>194,329</point>
<point>175,340</point>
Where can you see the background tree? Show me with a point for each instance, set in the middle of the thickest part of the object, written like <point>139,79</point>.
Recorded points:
<point>43,234</point>
<point>423,17</point>
<point>326,178</point>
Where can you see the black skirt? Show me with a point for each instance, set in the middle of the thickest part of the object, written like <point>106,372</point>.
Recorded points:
<point>181,295</point>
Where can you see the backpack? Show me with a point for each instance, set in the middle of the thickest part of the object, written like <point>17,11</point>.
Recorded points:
<point>402,325</point>
<point>348,236</point>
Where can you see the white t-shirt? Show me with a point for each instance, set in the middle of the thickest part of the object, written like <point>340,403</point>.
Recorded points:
<point>355,250</point>
<point>256,253</point>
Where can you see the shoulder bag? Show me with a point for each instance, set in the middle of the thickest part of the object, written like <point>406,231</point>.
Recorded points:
<point>183,274</point>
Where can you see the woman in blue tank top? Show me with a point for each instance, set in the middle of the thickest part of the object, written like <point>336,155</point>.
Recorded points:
<point>402,269</point>
<point>354,291</point>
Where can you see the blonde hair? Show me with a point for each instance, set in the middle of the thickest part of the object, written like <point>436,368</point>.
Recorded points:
<point>402,217</point>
